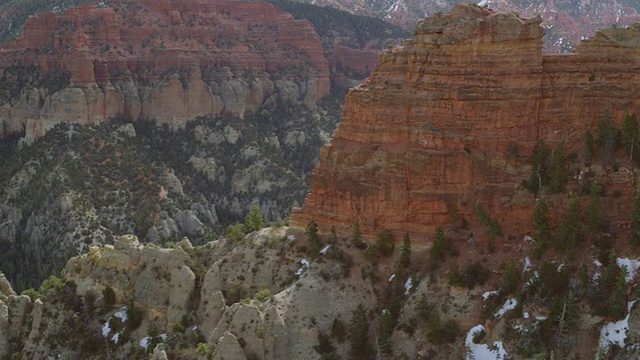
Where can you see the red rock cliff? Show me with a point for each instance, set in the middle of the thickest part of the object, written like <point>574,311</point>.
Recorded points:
<point>439,119</point>
<point>166,59</point>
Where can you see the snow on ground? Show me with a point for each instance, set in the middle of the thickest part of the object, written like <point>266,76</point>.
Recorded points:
<point>615,333</point>
<point>631,265</point>
<point>526,264</point>
<point>408,285</point>
<point>324,250</point>
<point>393,276</point>
<point>120,314</point>
<point>305,264</point>
<point>597,263</point>
<point>510,304</point>
<point>483,351</point>
<point>489,294</point>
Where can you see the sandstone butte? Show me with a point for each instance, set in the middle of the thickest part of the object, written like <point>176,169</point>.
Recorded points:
<point>437,123</point>
<point>171,60</point>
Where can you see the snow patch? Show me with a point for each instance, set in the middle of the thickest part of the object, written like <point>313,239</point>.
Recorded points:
<point>305,264</point>
<point>483,351</point>
<point>393,276</point>
<point>324,250</point>
<point>597,263</point>
<point>615,333</point>
<point>632,266</point>
<point>526,266</point>
<point>508,305</point>
<point>489,294</point>
<point>408,285</point>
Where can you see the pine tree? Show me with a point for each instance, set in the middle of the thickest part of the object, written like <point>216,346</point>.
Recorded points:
<point>607,138</point>
<point>405,253</point>
<point>569,228</point>
<point>314,241</point>
<point>629,133</point>
<point>356,237</point>
<point>558,176</point>
<point>592,213</point>
<point>332,234</point>
<point>359,334</point>
<point>385,329</point>
<point>617,303</point>
<point>385,243</point>
<point>539,171</point>
<point>634,225</point>
<point>541,228</point>
<point>253,221</point>
<point>438,248</point>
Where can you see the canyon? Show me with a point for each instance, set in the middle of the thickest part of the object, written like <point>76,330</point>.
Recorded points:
<point>165,60</point>
<point>449,120</point>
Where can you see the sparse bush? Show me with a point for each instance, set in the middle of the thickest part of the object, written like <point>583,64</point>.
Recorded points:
<point>109,297</point>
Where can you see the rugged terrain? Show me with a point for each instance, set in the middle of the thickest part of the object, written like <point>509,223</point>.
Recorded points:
<point>450,119</point>
<point>478,200</point>
<point>566,22</point>
<point>168,119</point>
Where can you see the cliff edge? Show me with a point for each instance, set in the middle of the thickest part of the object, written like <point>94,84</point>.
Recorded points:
<point>448,121</point>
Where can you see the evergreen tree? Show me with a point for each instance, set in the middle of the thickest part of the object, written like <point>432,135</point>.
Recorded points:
<point>385,329</point>
<point>541,228</point>
<point>629,133</point>
<point>607,139</point>
<point>539,165</point>
<point>438,248</point>
<point>314,240</point>
<point>332,234</point>
<point>558,176</point>
<point>510,278</point>
<point>592,213</point>
<point>405,253</point>
<point>385,243</point>
<point>569,228</point>
<point>634,225</point>
<point>589,145</point>
<point>253,221</point>
<point>617,302</point>
<point>359,334</point>
<point>356,238</point>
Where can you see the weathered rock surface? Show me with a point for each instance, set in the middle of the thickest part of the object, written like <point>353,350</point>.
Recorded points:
<point>567,22</point>
<point>170,60</point>
<point>436,124</point>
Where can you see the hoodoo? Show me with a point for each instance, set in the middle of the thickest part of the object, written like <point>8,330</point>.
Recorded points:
<point>449,119</point>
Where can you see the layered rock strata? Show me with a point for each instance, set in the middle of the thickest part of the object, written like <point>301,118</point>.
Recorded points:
<point>170,60</point>
<point>441,120</point>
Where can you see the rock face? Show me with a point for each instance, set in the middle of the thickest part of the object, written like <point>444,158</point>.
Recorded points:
<point>439,123</point>
<point>170,60</point>
<point>567,22</point>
